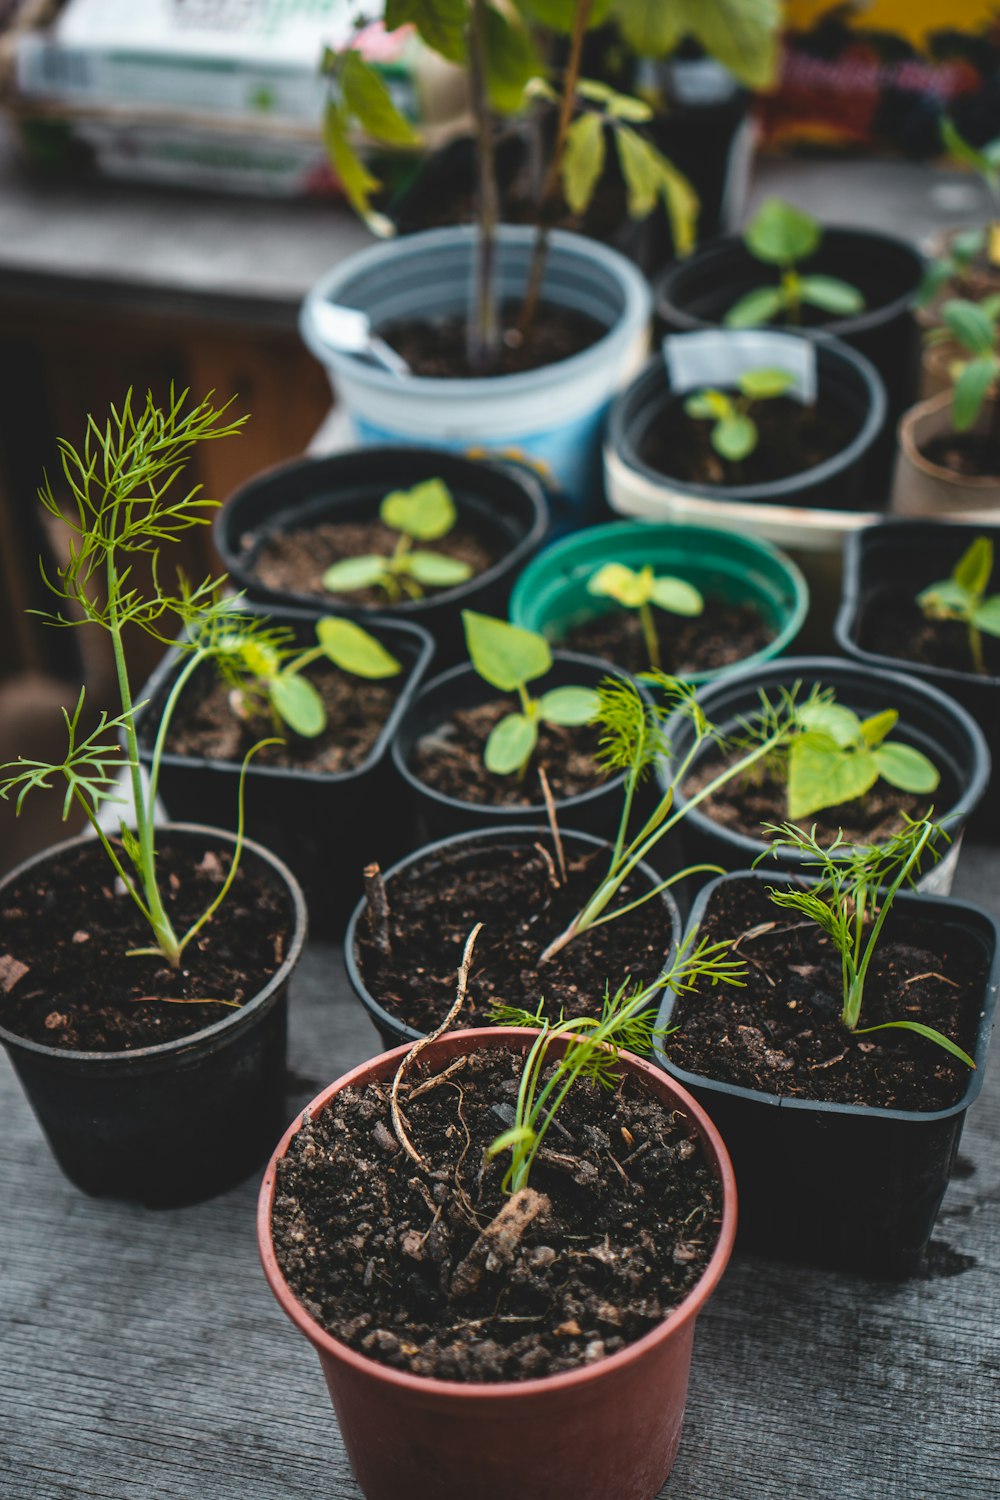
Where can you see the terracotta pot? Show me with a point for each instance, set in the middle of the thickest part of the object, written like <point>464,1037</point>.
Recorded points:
<point>922,488</point>
<point>606,1431</point>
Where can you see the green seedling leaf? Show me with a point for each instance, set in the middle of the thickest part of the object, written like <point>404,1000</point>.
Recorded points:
<point>297,702</point>
<point>650,28</point>
<point>512,60</point>
<point>354,650</point>
<point>436,570</point>
<point>740,34</point>
<point>957,146</point>
<point>987,616</point>
<point>708,405</point>
<point>426,512</point>
<point>369,100</point>
<point>568,705</point>
<point>616,581</point>
<point>559,15</point>
<point>357,182</point>
<point>510,744</point>
<point>441,23</point>
<point>755,308</point>
<point>971,389</point>
<point>843,726</point>
<point>734,437</point>
<point>831,295</point>
<point>907,768</point>
<point>354,573</point>
<point>875,729</point>
<point>505,655</point>
<point>970,325</point>
<point>762,385</point>
<point>824,776</point>
<point>929,1032</point>
<point>618,106</point>
<point>518,1135</point>
<point>973,569</point>
<point>583,161</point>
<point>781,234</point>
<point>945,600</point>
<point>649,177</point>
<point>676,596</point>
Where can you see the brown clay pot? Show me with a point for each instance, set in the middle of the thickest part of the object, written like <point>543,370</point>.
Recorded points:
<point>922,488</point>
<point>607,1431</point>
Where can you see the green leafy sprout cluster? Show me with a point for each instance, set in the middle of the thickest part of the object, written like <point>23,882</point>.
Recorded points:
<point>734,434</point>
<point>640,589</point>
<point>508,658</point>
<point>963,597</point>
<point>783,236</point>
<point>966,247</point>
<point>425,513</point>
<point>975,328</point>
<point>850,902</point>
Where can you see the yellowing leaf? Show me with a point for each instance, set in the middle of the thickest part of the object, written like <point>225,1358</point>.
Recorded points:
<point>583,161</point>
<point>368,99</point>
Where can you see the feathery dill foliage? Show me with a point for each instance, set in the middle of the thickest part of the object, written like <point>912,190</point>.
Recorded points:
<point>594,1046</point>
<point>852,897</point>
<point>126,503</point>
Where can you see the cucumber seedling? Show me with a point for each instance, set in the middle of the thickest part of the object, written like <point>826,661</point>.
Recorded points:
<point>425,513</point>
<point>734,433</point>
<point>962,597</point>
<point>640,589</point>
<point>783,236</point>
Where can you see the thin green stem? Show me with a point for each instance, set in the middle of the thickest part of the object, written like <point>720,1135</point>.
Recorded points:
<point>853,1012</point>
<point>108,847</point>
<point>649,635</point>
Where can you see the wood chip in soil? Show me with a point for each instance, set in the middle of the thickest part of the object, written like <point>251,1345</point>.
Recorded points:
<point>384,1255</point>
<point>72,931</point>
<point>509,888</point>
<point>722,635</point>
<point>783,1032</point>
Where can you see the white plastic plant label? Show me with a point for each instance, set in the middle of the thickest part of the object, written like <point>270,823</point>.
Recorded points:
<point>717,357</point>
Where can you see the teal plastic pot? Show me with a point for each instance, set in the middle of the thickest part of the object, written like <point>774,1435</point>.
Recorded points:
<point>551,594</point>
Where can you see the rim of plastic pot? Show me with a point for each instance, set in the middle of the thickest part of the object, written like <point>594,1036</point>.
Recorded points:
<point>844,625</point>
<point>834,237</point>
<point>650,389</point>
<point>232,1022</point>
<point>383,1020</point>
<point>524,810</point>
<point>636,311</point>
<point>715,1153</point>
<point>791,668</point>
<point>948,909</point>
<point>350,468</point>
<point>165,669</point>
<point>534,588</point>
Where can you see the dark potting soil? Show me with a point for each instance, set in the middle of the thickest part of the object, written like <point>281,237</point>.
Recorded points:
<point>744,805</point>
<point>722,635</point>
<point>792,439</point>
<point>451,760</point>
<point>969,454</point>
<point>438,348</point>
<point>510,889</point>
<point>893,625</point>
<point>391,1260</point>
<point>205,724</point>
<point>66,979</point>
<point>295,561</point>
<point>783,1033</point>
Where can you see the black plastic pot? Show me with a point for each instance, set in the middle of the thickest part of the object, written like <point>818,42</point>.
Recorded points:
<point>184,1120</point>
<point>698,292</point>
<point>436,816</point>
<point>327,826</point>
<point>847,384</point>
<point>895,560</point>
<point>929,720</point>
<point>389,1027</point>
<point>842,1185</point>
<point>505,501</point>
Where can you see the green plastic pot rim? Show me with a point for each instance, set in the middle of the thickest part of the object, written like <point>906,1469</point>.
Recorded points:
<point>714,1151</point>
<point>703,540</point>
<point>947,907</point>
<point>162,1054</point>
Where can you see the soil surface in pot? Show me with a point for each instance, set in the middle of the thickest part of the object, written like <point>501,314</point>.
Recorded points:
<point>205,725</point>
<point>451,760</point>
<point>294,561</point>
<point>792,439</point>
<point>970,455</point>
<point>744,806</point>
<point>893,625</point>
<point>510,889</point>
<point>392,1260</point>
<point>721,635</point>
<point>66,979</point>
<point>782,1032</point>
<point>440,348</point>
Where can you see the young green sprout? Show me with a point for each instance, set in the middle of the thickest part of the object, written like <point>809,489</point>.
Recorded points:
<point>640,590</point>
<point>734,432</point>
<point>985,162</point>
<point>782,235</point>
<point>963,597</point>
<point>850,902</point>
<point>975,328</point>
<point>265,672</point>
<point>124,507</point>
<point>834,756</point>
<point>426,513</point>
<point>508,658</point>
<point>593,1047</point>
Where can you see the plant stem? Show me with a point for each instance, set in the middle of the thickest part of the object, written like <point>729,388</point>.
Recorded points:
<point>539,252</point>
<point>976,647</point>
<point>852,1005</point>
<point>484,326</point>
<point>649,635</point>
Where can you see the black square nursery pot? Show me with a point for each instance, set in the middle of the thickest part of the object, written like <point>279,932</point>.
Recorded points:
<point>848,1186</point>
<point>505,502</point>
<point>325,825</point>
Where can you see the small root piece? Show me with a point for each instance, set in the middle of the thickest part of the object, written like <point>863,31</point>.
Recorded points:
<point>550,813</point>
<point>500,1240</point>
<point>378,909</point>
<point>549,864</point>
<point>931,974</point>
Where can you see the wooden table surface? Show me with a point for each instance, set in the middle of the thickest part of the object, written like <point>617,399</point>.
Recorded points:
<point>145,1359</point>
